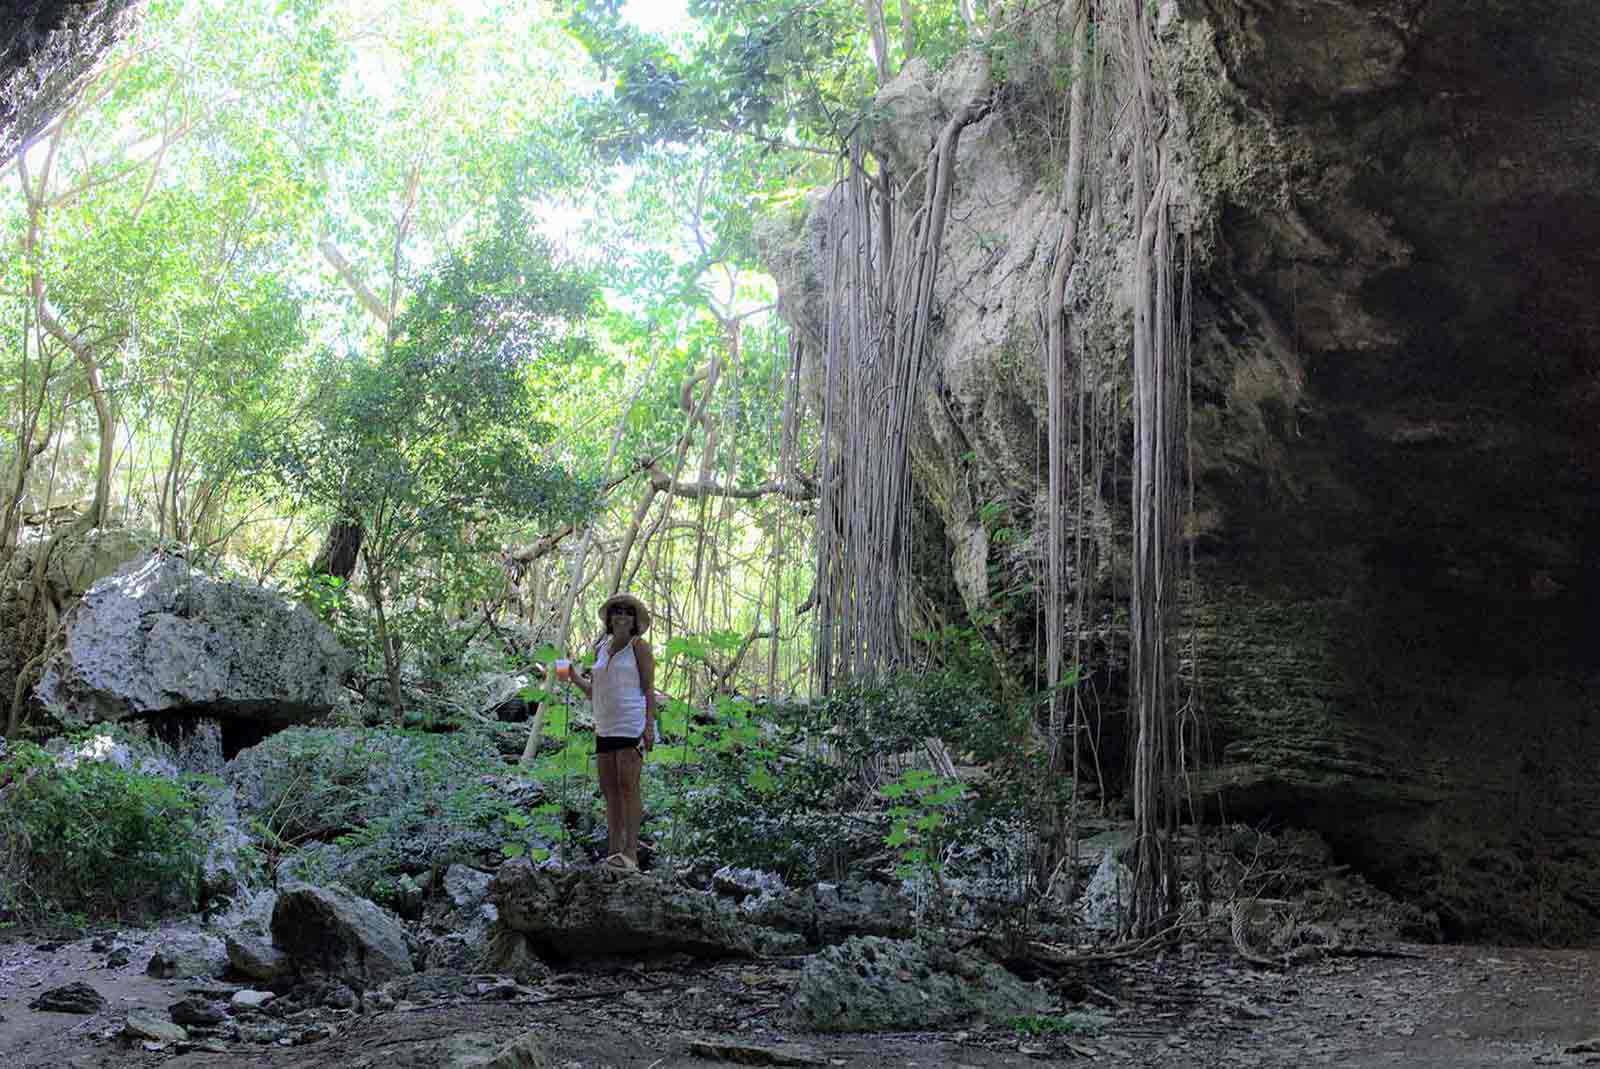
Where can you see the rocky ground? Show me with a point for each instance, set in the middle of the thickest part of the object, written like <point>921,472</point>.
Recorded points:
<point>1453,1006</point>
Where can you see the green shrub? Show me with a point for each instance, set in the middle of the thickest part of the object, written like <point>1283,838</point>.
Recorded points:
<point>82,835</point>
<point>380,802</point>
<point>741,786</point>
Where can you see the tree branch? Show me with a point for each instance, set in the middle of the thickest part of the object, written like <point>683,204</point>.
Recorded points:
<point>347,273</point>
<point>663,483</point>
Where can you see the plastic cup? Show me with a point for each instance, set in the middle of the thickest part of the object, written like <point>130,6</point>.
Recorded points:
<point>563,669</point>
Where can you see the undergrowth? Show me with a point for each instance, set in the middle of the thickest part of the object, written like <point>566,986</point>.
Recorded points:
<point>82,835</point>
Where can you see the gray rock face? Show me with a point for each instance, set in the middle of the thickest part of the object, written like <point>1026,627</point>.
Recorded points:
<point>45,52</point>
<point>585,913</point>
<point>872,984</point>
<point>330,933</point>
<point>159,637</point>
<point>1394,563</point>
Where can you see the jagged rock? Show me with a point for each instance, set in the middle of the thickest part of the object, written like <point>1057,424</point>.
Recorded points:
<point>160,637</point>
<point>872,984</point>
<point>828,913</point>
<point>742,883</point>
<point>182,955</point>
<point>338,935</point>
<point>496,696</point>
<point>589,913</point>
<point>510,953</point>
<point>253,956</point>
<point>142,1024</point>
<point>459,921</point>
<point>76,997</point>
<point>196,1011</point>
<point>466,888</point>
<point>1109,896</point>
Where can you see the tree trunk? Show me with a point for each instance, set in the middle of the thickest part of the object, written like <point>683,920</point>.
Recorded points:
<point>880,38</point>
<point>391,655</point>
<point>341,549</point>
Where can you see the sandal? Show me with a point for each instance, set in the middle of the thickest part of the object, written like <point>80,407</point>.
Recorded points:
<point>620,863</point>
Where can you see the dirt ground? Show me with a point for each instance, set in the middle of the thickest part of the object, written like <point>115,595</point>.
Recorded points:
<point>1456,1007</point>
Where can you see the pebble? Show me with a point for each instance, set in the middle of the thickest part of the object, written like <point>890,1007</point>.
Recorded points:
<point>250,1000</point>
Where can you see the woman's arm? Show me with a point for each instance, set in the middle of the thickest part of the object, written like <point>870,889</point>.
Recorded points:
<point>582,682</point>
<point>647,683</point>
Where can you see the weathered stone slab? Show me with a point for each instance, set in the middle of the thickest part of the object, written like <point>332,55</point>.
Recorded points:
<point>585,913</point>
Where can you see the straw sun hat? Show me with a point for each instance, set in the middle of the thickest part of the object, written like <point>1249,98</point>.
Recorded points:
<point>641,615</point>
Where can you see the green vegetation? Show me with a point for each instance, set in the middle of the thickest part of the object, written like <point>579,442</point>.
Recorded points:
<point>1067,1024</point>
<point>86,836</point>
<point>448,322</point>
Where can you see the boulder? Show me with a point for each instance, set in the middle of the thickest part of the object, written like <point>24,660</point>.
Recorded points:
<point>334,934</point>
<point>580,913</point>
<point>1107,900</point>
<point>253,956</point>
<point>467,888</point>
<point>880,985</point>
<point>77,564</point>
<point>196,1011</point>
<point>76,997</point>
<point>187,954</point>
<point>159,637</point>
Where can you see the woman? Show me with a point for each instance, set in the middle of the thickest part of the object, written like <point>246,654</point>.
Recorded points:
<point>622,690</point>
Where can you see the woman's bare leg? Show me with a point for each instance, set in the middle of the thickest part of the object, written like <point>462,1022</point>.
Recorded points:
<point>629,765</point>
<point>611,789</point>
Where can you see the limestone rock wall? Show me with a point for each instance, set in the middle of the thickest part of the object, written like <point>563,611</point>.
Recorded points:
<point>1394,417</point>
<point>47,47</point>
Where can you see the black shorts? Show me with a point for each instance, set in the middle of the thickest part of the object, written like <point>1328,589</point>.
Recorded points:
<point>613,743</point>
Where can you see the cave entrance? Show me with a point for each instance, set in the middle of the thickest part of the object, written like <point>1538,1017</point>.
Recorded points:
<point>190,735</point>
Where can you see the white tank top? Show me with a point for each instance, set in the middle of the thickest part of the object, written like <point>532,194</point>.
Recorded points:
<point>618,694</point>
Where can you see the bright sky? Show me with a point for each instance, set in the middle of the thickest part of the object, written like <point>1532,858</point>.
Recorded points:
<point>657,15</point>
